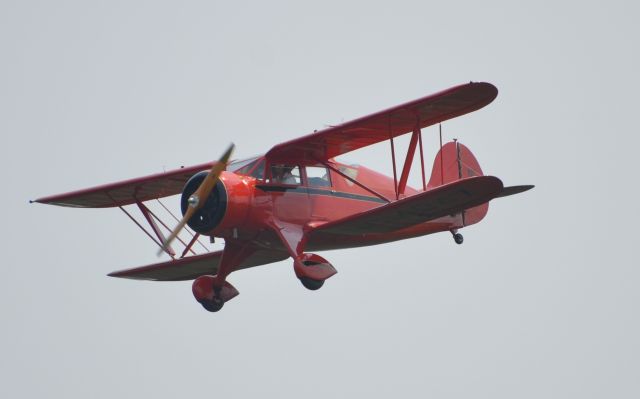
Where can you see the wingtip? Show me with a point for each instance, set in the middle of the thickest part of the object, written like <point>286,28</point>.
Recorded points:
<point>117,274</point>
<point>527,187</point>
<point>113,274</point>
<point>512,190</point>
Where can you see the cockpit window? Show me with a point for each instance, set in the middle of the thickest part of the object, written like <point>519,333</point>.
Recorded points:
<point>285,174</point>
<point>318,176</point>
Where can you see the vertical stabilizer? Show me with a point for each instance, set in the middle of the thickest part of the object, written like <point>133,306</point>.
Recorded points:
<point>454,162</point>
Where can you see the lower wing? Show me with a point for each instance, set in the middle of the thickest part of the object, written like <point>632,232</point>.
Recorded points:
<point>193,267</point>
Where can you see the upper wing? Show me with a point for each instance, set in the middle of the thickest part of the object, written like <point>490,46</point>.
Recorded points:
<point>392,122</point>
<point>444,200</point>
<point>194,266</point>
<point>129,191</point>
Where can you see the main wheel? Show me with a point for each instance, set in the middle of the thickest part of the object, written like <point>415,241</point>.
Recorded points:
<point>214,305</point>
<point>458,238</point>
<point>311,284</point>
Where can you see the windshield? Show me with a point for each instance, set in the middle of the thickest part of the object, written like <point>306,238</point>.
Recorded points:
<point>236,165</point>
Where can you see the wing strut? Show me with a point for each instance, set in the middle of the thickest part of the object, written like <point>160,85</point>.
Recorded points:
<point>416,138</point>
<point>408,161</point>
<point>143,229</point>
<point>194,236</point>
<point>441,157</point>
<point>357,183</point>
<point>161,236</point>
<point>188,247</point>
<point>151,218</point>
<point>393,161</point>
<point>424,179</point>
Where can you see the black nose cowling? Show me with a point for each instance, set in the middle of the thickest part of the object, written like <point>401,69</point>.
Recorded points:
<point>210,215</point>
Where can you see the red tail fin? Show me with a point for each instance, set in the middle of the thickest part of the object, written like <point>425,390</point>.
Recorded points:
<point>454,162</point>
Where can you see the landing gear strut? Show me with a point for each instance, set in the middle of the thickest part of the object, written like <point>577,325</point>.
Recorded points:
<point>457,237</point>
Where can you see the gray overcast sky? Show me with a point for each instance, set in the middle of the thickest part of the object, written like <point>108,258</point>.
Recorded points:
<point>542,299</point>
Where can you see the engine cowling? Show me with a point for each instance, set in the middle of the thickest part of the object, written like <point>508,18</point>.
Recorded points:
<point>226,207</point>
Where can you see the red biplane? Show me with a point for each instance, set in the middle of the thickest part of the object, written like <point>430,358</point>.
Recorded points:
<point>297,198</point>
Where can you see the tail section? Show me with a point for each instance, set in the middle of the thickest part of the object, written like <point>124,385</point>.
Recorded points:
<point>454,162</point>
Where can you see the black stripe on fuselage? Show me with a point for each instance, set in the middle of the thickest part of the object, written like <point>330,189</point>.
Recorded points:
<point>316,191</point>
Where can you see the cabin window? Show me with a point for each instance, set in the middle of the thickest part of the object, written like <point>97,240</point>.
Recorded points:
<point>351,171</point>
<point>318,176</point>
<point>285,174</point>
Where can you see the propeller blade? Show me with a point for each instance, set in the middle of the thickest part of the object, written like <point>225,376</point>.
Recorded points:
<point>199,197</point>
<point>202,193</point>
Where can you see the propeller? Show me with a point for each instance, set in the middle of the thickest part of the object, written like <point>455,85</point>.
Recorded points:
<point>199,197</point>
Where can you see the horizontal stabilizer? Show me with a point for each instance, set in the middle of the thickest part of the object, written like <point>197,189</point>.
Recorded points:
<point>441,201</point>
<point>129,191</point>
<point>193,267</point>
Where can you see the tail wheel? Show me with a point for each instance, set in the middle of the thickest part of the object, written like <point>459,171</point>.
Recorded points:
<point>458,238</point>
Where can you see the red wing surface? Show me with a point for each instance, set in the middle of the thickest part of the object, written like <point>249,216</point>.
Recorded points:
<point>129,191</point>
<point>444,200</point>
<point>195,266</point>
<point>392,122</point>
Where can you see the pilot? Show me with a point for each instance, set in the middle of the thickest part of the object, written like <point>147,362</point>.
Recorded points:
<point>282,174</point>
